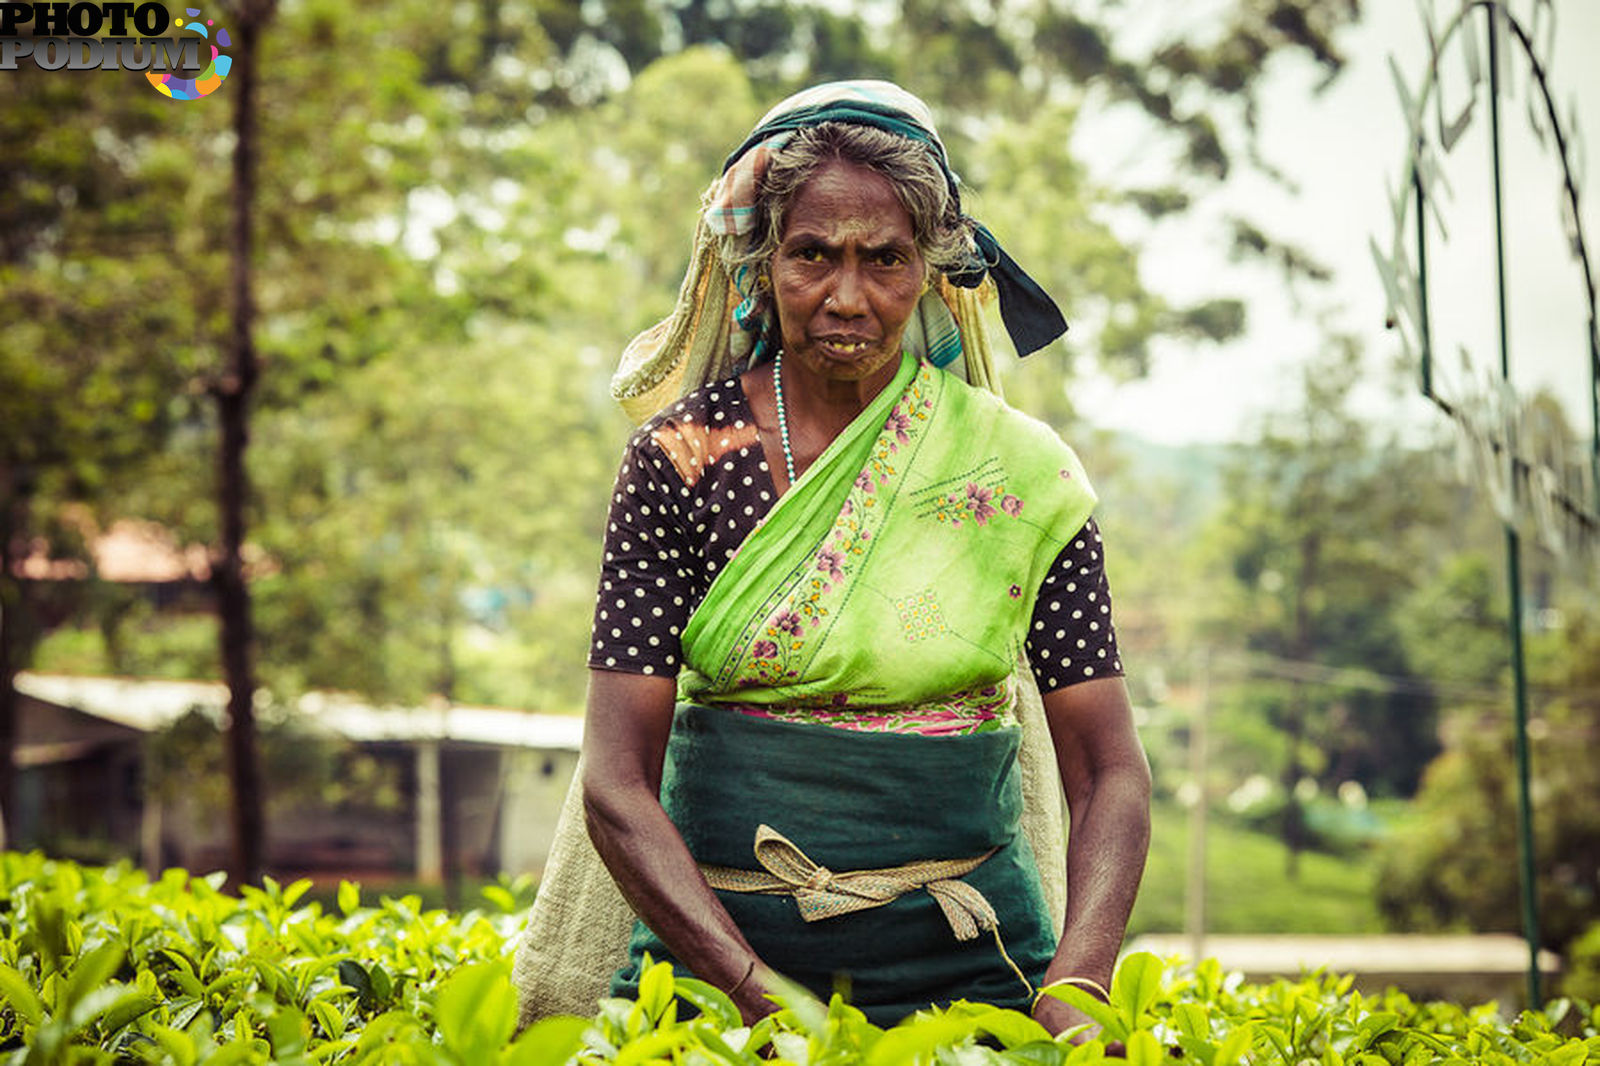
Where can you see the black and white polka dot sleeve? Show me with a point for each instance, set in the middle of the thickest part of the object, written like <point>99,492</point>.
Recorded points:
<point>1071,637</point>
<point>647,572</point>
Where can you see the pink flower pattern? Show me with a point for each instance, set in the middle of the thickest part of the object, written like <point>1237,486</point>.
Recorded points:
<point>972,710</point>
<point>978,503</point>
<point>899,422</point>
<point>831,563</point>
<point>978,499</point>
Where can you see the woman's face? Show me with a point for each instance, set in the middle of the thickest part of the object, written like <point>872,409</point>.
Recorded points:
<point>846,275</point>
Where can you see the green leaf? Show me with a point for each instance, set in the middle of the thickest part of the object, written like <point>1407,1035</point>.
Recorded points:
<point>349,897</point>
<point>288,1029</point>
<point>476,1011</point>
<point>1046,1054</point>
<point>179,1045</point>
<point>548,1042</point>
<point>1192,1019</point>
<point>1012,1028</point>
<point>1235,1046</point>
<point>709,1000</point>
<point>1143,1049</point>
<point>90,1007</point>
<point>1136,985</point>
<point>15,990</point>
<point>914,1041</point>
<point>1086,1054</point>
<point>1571,1053</point>
<point>1374,1025</point>
<point>354,976</point>
<point>503,900</point>
<point>652,1045</point>
<point>92,971</point>
<point>655,990</point>
<point>328,1016</point>
<point>382,983</point>
<point>138,1003</point>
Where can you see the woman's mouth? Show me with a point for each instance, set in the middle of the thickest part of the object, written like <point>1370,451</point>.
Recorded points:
<point>844,348</point>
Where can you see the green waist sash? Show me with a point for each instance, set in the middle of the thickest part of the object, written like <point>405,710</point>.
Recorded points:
<point>861,801</point>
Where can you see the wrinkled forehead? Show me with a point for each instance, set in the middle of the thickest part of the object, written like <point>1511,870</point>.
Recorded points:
<point>846,204</point>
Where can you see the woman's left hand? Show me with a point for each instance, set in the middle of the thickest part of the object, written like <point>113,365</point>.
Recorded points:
<point>1058,1016</point>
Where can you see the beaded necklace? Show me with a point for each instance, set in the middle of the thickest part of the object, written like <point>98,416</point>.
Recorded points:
<point>783,420</point>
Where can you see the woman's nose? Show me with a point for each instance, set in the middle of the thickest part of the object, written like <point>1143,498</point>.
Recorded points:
<point>849,295</point>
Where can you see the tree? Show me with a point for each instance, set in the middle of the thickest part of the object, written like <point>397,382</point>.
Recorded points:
<point>1450,865</point>
<point>92,225</point>
<point>1322,531</point>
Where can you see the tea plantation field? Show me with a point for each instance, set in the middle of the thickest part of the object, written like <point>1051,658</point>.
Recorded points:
<point>102,965</point>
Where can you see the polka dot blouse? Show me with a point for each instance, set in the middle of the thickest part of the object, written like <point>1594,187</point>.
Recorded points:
<point>694,483</point>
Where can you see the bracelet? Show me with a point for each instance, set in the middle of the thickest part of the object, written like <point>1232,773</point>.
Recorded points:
<point>1087,982</point>
<point>740,982</point>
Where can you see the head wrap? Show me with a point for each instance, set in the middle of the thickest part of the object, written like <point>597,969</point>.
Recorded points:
<point>718,326</point>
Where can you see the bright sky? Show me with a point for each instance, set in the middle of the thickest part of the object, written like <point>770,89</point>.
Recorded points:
<point>1344,149</point>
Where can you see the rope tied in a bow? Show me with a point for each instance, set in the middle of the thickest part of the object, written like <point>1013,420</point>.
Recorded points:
<point>823,893</point>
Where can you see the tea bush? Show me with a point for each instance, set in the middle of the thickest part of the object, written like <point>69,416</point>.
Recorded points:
<point>102,965</point>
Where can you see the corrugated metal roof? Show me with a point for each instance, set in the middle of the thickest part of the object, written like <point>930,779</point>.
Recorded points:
<point>149,705</point>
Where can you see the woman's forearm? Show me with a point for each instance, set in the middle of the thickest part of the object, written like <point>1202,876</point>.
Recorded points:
<point>663,884</point>
<point>625,741</point>
<point>1106,850</point>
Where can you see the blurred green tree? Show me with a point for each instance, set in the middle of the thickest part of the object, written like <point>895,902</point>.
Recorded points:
<point>95,234</point>
<point>1321,535</point>
<point>1448,868</point>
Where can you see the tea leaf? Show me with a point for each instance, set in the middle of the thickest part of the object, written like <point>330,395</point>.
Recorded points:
<point>476,1011</point>
<point>15,990</point>
<point>549,1042</point>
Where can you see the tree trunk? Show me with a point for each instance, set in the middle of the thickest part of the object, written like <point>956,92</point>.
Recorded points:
<point>10,620</point>
<point>1294,815</point>
<point>233,413</point>
<point>18,636</point>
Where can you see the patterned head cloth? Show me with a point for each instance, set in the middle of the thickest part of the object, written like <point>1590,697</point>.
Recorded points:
<point>719,324</point>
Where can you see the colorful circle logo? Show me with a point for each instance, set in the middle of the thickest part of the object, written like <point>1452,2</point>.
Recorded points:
<point>208,80</point>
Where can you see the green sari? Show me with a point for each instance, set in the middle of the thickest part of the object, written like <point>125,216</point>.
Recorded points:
<point>888,592</point>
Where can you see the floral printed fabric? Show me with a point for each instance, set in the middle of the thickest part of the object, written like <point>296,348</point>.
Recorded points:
<point>975,710</point>
<point>892,576</point>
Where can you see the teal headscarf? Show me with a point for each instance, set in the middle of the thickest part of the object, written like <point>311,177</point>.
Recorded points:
<point>1031,317</point>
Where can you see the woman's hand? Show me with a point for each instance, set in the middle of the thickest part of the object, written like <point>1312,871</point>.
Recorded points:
<point>1058,1016</point>
<point>1107,784</point>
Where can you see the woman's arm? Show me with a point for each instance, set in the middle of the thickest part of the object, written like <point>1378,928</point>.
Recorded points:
<point>624,742</point>
<point>1107,782</point>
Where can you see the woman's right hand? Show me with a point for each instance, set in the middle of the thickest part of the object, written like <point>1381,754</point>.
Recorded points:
<point>624,744</point>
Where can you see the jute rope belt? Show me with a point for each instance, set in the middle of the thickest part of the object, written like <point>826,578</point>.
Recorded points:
<point>821,893</point>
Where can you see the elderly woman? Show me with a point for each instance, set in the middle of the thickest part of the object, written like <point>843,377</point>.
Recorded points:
<point>838,574</point>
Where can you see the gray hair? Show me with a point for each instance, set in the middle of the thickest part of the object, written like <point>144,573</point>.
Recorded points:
<point>942,234</point>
